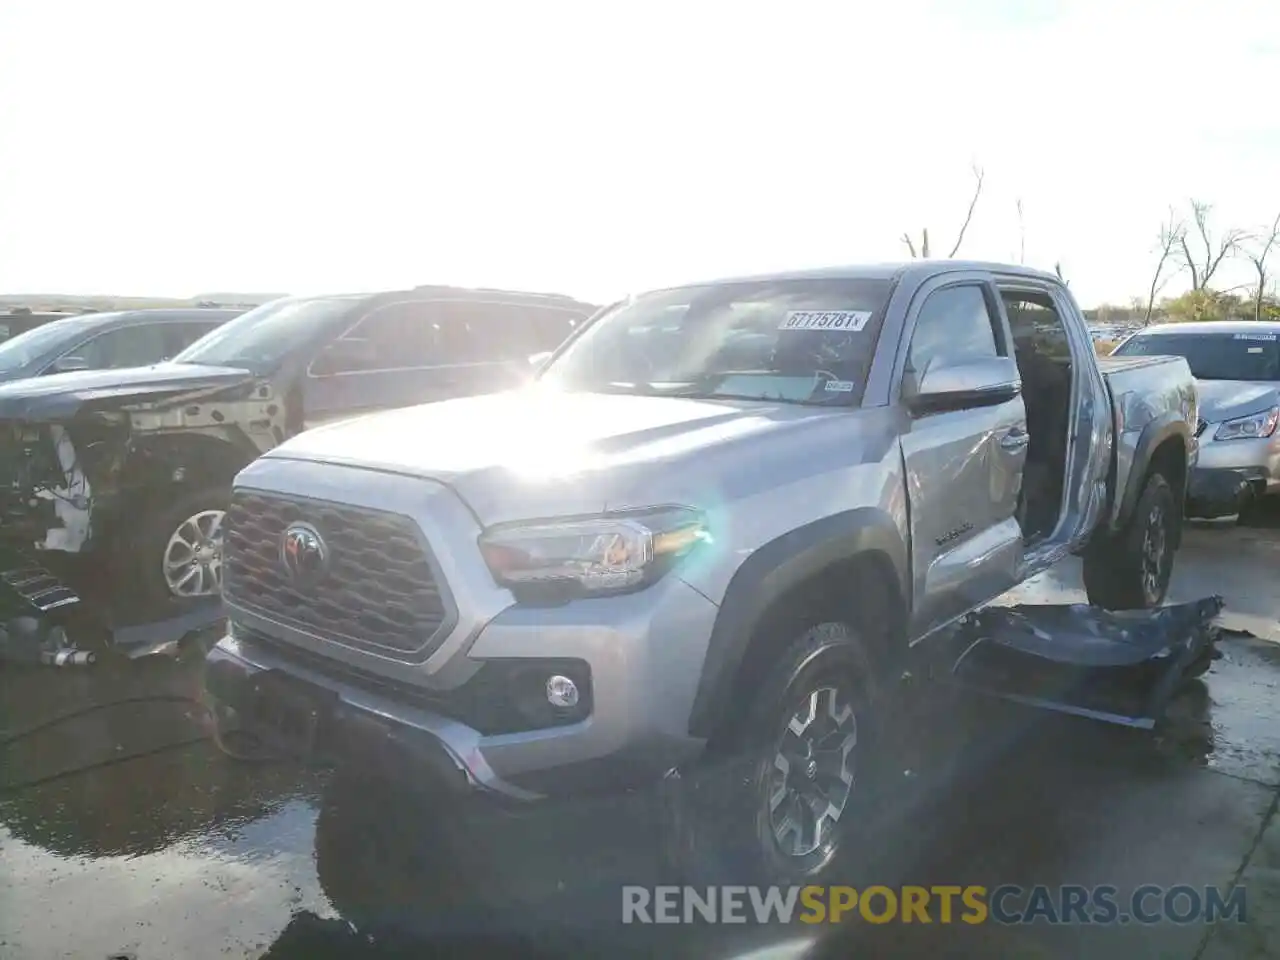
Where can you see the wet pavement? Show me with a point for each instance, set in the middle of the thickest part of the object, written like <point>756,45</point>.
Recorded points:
<point>125,831</point>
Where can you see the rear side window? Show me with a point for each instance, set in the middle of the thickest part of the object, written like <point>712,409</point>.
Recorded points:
<point>1036,325</point>
<point>134,346</point>
<point>954,326</point>
<point>395,336</point>
<point>179,336</point>
<point>482,332</point>
<point>495,332</point>
<point>434,333</point>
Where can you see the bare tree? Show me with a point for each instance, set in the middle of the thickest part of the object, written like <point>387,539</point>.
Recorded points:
<point>1022,234</point>
<point>1205,262</point>
<point>1257,255</point>
<point>923,250</point>
<point>1173,235</point>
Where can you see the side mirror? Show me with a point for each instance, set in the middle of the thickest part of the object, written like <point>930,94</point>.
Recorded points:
<point>975,383</point>
<point>69,364</point>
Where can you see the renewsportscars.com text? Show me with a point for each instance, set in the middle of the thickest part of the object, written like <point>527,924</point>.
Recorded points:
<point>1148,904</point>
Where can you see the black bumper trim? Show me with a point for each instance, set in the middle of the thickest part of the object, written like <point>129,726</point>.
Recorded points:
<point>348,735</point>
<point>1222,492</point>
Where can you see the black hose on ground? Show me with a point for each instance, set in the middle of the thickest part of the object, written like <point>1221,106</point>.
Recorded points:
<point>13,736</point>
<point>212,733</point>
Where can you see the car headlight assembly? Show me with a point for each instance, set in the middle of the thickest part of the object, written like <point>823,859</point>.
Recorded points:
<point>1253,427</point>
<point>557,560</point>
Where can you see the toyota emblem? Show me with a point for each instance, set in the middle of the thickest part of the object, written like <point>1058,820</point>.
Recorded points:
<point>304,554</point>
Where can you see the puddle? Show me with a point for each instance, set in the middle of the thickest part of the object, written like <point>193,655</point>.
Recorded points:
<point>160,846</point>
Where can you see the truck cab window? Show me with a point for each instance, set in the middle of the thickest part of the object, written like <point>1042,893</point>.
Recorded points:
<point>954,326</point>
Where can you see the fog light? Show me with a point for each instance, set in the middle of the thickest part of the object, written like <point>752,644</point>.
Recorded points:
<point>562,692</point>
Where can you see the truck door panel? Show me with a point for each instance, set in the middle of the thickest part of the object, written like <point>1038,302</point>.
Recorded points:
<point>963,467</point>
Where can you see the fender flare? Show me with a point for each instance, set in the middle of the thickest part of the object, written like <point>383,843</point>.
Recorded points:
<point>1169,424</point>
<point>767,574</point>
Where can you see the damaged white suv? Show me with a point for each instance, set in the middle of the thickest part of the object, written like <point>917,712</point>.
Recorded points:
<point>710,528</point>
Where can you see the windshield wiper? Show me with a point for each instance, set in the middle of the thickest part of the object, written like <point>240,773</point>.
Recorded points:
<point>760,398</point>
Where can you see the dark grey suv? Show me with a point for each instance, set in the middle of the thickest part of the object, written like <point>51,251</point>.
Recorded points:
<point>103,341</point>
<point>135,465</point>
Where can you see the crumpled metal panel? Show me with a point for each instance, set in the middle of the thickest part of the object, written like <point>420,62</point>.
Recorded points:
<point>379,592</point>
<point>1117,667</point>
<point>1086,636</point>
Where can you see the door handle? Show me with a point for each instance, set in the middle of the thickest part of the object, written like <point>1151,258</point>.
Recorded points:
<point>1015,439</point>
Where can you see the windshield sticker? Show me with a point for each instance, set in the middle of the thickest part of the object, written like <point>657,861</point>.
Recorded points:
<point>850,320</point>
<point>1262,337</point>
<point>839,386</point>
<point>1253,350</point>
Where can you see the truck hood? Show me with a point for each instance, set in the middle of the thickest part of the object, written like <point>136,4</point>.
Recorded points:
<point>61,396</point>
<point>1224,399</point>
<point>535,453</point>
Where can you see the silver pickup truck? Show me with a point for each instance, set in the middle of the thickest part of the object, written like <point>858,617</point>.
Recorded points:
<point>716,522</point>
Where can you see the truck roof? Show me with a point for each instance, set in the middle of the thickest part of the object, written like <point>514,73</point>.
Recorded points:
<point>1214,326</point>
<point>897,269</point>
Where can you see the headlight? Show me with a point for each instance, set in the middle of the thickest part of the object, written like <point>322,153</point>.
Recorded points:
<point>1252,427</point>
<point>608,554</point>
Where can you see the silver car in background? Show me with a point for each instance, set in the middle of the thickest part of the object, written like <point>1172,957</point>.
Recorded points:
<point>1237,371</point>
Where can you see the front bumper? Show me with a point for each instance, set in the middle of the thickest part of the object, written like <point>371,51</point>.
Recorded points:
<point>641,652</point>
<point>1230,473</point>
<point>1260,458</point>
<point>1223,492</point>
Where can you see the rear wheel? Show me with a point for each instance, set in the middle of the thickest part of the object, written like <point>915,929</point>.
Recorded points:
<point>1131,570</point>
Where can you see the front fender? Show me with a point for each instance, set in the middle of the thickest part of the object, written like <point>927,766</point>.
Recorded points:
<point>772,571</point>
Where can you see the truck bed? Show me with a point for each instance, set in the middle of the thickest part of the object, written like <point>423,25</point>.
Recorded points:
<point>1110,365</point>
<point>1143,390</point>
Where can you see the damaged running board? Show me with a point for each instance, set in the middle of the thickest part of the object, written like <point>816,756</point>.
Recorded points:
<point>1116,667</point>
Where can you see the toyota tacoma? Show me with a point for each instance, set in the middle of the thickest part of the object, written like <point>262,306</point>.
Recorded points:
<point>713,525</point>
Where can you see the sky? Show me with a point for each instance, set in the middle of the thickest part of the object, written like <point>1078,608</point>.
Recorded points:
<point>596,149</point>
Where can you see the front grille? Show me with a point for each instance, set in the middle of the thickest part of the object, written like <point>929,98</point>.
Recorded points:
<point>379,590</point>
<point>1201,426</point>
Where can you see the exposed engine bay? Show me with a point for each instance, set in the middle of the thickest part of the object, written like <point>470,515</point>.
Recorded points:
<point>68,482</point>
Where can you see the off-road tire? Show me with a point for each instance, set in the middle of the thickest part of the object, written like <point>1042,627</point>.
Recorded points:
<point>1131,570</point>
<point>728,808</point>
<point>144,550</point>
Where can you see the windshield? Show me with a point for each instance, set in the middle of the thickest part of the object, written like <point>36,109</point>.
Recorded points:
<point>790,341</point>
<point>1213,356</point>
<point>25,348</point>
<point>260,339</point>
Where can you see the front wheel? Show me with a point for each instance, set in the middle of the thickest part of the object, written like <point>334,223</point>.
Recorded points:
<point>1131,571</point>
<point>804,790</point>
<point>177,553</point>
<point>784,804</point>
